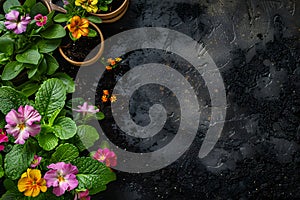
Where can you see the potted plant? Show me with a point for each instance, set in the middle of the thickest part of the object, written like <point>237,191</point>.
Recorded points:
<point>83,36</point>
<point>108,10</point>
<point>28,37</point>
<point>43,151</point>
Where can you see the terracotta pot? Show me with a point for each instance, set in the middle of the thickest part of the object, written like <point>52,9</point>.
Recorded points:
<point>114,15</point>
<point>92,60</point>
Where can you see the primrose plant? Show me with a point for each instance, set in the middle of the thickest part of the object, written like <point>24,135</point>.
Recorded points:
<point>44,150</point>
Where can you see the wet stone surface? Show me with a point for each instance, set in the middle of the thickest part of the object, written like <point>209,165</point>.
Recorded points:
<point>255,45</point>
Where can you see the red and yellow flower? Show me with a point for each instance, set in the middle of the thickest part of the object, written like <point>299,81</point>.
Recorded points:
<point>78,27</point>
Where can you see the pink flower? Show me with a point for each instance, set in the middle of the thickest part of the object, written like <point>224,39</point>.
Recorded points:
<point>85,109</point>
<point>40,19</point>
<point>21,124</point>
<point>16,24</point>
<point>107,156</point>
<point>3,138</point>
<point>84,195</point>
<point>62,177</point>
<point>36,161</point>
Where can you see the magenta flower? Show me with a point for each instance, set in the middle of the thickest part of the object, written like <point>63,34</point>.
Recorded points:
<point>84,195</point>
<point>66,2</point>
<point>3,138</point>
<point>36,161</point>
<point>62,177</point>
<point>21,124</point>
<point>85,109</point>
<point>15,23</point>
<point>106,156</point>
<point>40,19</point>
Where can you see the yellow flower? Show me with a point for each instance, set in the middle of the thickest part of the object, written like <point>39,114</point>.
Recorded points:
<point>78,27</point>
<point>31,183</point>
<point>113,98</point>
<point>89,5</point>
<point>118,59</point>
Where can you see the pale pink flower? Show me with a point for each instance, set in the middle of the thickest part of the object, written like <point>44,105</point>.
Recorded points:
<point>22,124</point>
<point>36,161</point>
<point>62,177</point>
<point>15,23</point>
<point>84,195</point>
<point>86,109</point>
<point>106,156</point>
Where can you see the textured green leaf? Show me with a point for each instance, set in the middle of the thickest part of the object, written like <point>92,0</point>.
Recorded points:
<point>17,161</point>
<point>94,19</point>
<point>47,46</point>
<point>67,80</point>
<point>50,97</point>
<point>11,99</point>
<point>31,56</point>
<point>52,64</point>
<point>88,135</point>
<point>53,32</point>
<point>64,128</point>
<point>47,141</point>
<point>64,153</point>
<point>92,173</point>
<point>11,70</point>
<point>29,3</point>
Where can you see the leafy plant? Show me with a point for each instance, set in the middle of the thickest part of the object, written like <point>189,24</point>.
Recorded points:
<point>28,37</point>
<point>53,141</point>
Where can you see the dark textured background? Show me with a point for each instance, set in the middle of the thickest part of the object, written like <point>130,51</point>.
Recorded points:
<point>255,44</point>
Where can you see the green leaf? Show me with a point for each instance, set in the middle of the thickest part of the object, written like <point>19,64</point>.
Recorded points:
<point>32,71</point>
<point>31,56</point>
<point>92,33</point>
<point>52,64</point>
<point>53,32</point>
<point>88,135</point>
<point>67,80</point>
<point>50,97</point>
<point>92,174</point>
<point>1,167</point>
<point>64,128</point>
<point>2,120</point>
<point>11,70</point>
<point>47,46</point>
<point>17,161</point>
<point>94,19</point>
<point>100,115</point>
<point>10,3</point>
<point>29,3</point>
<point>59,18</point>
<point>6,45</point>
<point>29,88</point>
<point>53,117</point>
<point>11,99</point>
<point>38,8</point>
<point>64,153</point>
<point>48,141</point>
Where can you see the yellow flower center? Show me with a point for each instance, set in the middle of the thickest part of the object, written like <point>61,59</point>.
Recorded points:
<point>60,178</point>
<point>21,126</point>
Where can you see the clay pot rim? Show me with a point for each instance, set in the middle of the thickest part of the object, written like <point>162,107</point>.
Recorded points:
<point>92,60</point>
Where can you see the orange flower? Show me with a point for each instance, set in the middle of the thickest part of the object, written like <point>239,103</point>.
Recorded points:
<point>105,92</point>
<point>31,183</point>
<point>78,27</point>
<point>104,98</point>
<point>108,67</point>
